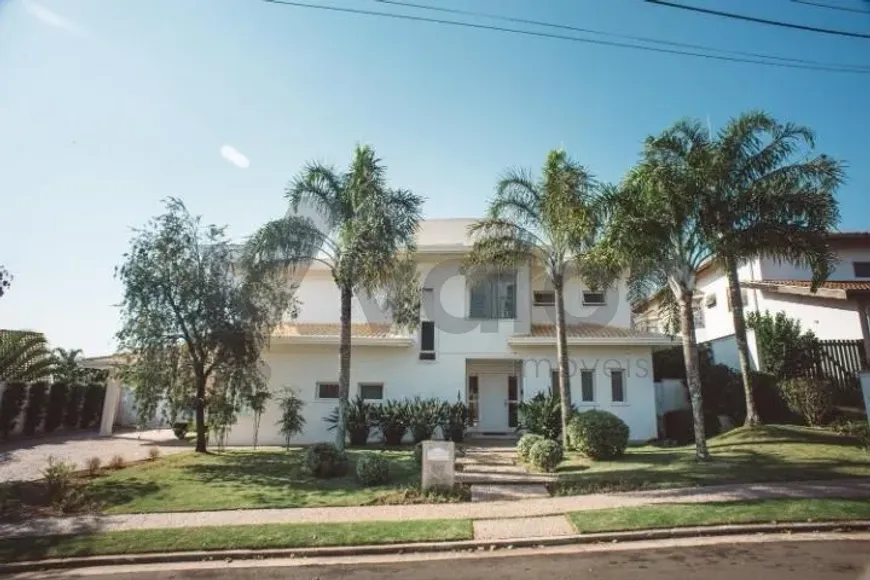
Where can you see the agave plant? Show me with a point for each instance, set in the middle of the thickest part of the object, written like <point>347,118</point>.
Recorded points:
<point>391,418</point>
<point>455,421</point>
<point>359,418</point>
<point>424,416</point>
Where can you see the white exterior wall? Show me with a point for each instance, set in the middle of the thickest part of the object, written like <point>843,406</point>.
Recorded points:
<point>771,270</point>
<point>718,321</point>
<point>829,319</point>
<point>616,311</point>
<point>405,376</point>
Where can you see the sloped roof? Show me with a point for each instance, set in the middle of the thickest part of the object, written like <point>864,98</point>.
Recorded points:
<point>839,289</point>
<point>328,333</point>
<point>590,333</point>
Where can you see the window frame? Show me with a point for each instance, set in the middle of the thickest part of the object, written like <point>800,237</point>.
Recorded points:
<point>862,264</point>
<point>590,373</point>
<point>319,384</point>
<point>624,400</point>
<point>493,281</point>
<point>361,384</point>
<point>586,302</point>
<point>710,300</point>
<point>428,355</point>
<point>536,302</point>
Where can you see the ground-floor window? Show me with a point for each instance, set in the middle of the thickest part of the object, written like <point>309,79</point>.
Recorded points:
<point>587,386</point>
<point>617,386</point>
<point>371,391</point>
<point>473,398</point>
<point>513,401</point>
<point>327,391</point>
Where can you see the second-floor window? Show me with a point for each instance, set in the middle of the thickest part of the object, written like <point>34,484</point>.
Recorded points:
<point>862,269</point>
<point>594,298</point>
<point>427,340</point>
<point>494,297</point>
<point>544,297</point>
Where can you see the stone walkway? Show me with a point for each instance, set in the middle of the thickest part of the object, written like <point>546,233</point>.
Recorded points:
<point>24,460</point>
<point>495,476</point>
<point>530,508</point>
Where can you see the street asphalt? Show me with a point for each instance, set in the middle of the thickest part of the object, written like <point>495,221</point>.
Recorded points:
<point>827,558</point>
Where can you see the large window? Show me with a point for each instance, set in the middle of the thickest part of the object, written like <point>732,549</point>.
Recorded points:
<point>494,297</point>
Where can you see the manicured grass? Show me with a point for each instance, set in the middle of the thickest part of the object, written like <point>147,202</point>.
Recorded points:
<point>769,453</point>
<point>234,537</point>
<point>240,480</point>
<point>708,514</point>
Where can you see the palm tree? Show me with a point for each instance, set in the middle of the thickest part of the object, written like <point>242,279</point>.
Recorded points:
<point>24,356</point>
<point>771,199</point>
<point>365,239</point>
<point>67,367</point>
<point>550,221</point>
<point>655,228</point>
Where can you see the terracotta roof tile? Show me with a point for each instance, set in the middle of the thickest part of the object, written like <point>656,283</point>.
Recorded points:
<point>317,329</point>
<point>589,330</point>
<point>828,285</point>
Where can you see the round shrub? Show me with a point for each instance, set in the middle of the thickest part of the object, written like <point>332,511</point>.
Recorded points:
<point>524,445</point>
<point>373,469</point>
<point>811,399</point>
<point>545,455</point>
<point>325,460</point>
<point>598,434</point>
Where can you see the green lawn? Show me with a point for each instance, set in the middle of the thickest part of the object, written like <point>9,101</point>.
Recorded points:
<point>234,537</point>
<point>240,480</point>
<point>739,512</point>
<point>769,453</point>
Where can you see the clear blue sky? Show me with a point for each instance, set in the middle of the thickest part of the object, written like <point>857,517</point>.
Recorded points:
<point>108,106</point>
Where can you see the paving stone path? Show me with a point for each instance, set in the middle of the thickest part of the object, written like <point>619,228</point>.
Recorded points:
<point>494,475</point>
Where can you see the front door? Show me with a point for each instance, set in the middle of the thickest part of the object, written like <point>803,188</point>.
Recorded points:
<point>493,403</point>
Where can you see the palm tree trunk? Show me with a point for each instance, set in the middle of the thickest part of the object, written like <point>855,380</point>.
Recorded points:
<point>343,366</point>
<point>562,359</point>
<point>199,410</point>
<point>752,418</point>
<point>693,377</point>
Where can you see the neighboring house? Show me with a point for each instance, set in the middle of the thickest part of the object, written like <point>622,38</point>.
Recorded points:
<point>490,344</point>
<point>836,311</point>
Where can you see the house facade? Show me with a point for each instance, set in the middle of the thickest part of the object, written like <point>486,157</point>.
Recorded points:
<point>490,344</point>
<point>837,310</point>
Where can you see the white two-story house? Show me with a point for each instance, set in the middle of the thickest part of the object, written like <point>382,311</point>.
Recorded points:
<point>837,310</point>
<point>490,344</point>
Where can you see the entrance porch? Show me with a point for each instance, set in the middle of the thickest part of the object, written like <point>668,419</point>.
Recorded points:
<point>494,389</point>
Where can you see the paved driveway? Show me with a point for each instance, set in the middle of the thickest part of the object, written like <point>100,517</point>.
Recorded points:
<point>25,460</point>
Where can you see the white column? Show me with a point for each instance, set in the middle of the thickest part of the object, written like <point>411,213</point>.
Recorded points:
<point>110,405</point>
<point>865,388</point>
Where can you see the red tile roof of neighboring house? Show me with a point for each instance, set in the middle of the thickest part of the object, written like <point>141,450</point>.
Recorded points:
<point>829,284</point>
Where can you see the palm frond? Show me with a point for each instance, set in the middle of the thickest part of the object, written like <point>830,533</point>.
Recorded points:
<point>290,243</point>
<point>517,199</point>
<point>24,356</point>
<point>320,187</point>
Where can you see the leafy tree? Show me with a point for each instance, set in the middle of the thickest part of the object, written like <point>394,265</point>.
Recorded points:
<point>656,229</point>
<point>292,421</point>
<point>5,280</point>
<point>785,349</point>
<point>68,367</point>
<point>770,197</point>
<point>551,222</point>
<point>24,356</point>
<point>365,236</point>
<point>257,400</point>
<point>183,290</point>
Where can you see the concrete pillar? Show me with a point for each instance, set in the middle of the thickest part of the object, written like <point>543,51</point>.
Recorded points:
<point>865,388</point>
<point>865,329</point>
<point>110,405</point>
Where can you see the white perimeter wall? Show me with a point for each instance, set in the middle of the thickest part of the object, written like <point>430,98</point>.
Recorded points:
<point>403,375</point>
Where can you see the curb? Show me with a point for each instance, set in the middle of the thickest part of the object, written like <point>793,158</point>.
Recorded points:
<point>430,547</point>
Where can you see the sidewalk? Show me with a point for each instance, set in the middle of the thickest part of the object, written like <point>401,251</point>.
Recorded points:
<point>484,510</point>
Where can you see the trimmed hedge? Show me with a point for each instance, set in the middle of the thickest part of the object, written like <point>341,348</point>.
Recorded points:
<point>524,445</point>
<point>56,405</point>
<point>680,426</point>
<point>325,460</point>
<point>373,469</point>
<point>546,454</point>
<point>11,403</point>
<point>73,408</point>
<point>34,411</point>
<point>92,405</point>
<point>598,434</point>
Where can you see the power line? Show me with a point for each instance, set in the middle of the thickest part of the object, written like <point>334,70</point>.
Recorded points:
<point>762,20</point>
<point>612,34</point>
<point>831,6</point>
<point>827,68</point>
